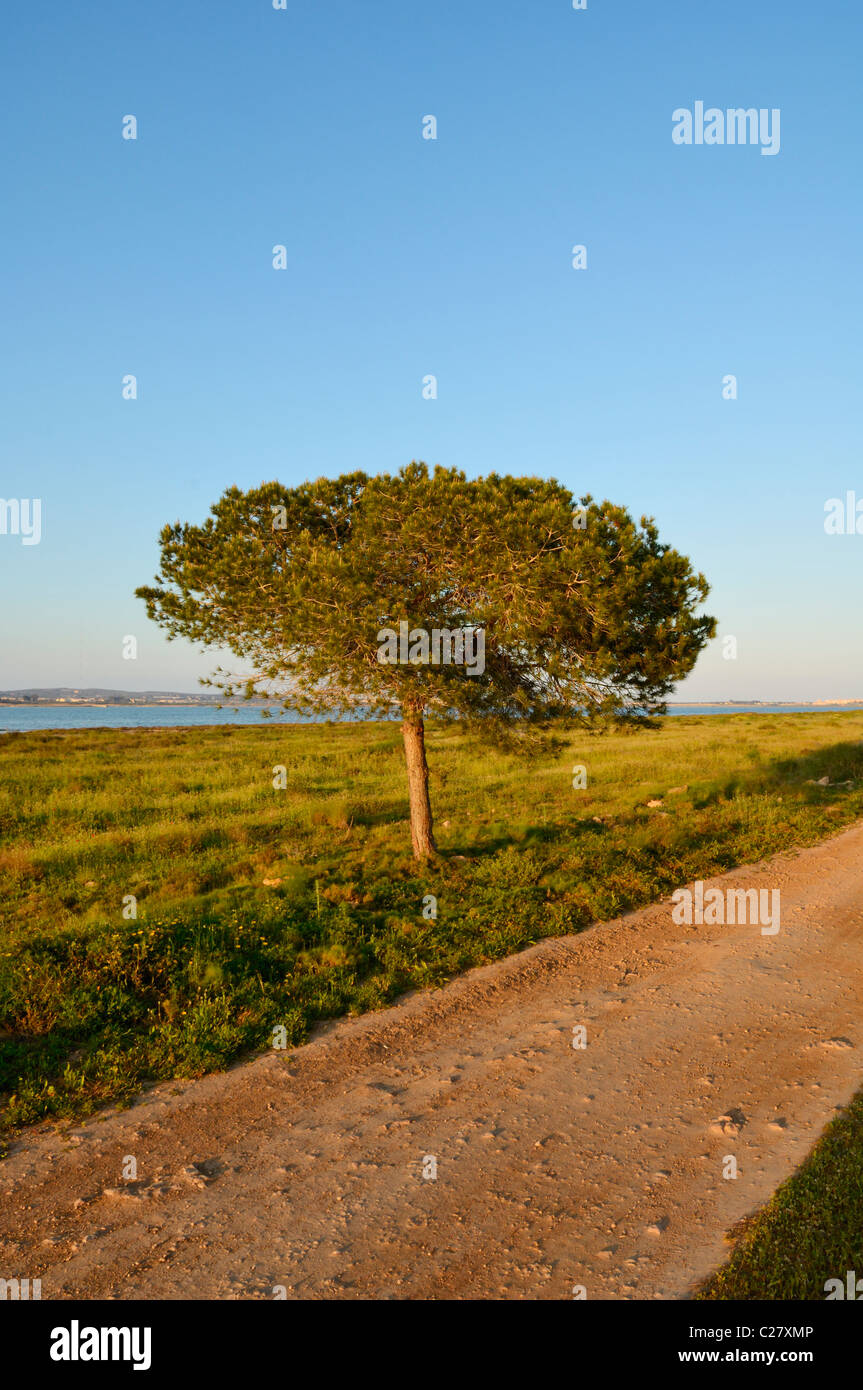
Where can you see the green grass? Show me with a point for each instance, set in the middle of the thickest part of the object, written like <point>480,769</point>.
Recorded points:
<point>810,1231</point>
<point>94,1006</point>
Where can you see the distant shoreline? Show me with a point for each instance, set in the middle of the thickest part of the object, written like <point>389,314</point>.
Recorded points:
<point>767,704</point>
<point>263,704</point>
<point>108,698</point>
<point>116,704</point>
<point>127,704</point>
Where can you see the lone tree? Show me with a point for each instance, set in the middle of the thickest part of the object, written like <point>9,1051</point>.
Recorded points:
<point>499,601</point>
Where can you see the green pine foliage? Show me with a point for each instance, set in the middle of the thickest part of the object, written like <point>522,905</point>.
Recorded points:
<point>586,615</point>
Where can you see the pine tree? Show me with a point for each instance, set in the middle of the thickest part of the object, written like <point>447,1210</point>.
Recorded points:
<point>585,616</point>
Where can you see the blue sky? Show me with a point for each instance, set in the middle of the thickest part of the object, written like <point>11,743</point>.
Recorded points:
<point>406,257</point>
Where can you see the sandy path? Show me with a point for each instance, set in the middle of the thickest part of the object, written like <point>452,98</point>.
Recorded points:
<point>556,1166</point>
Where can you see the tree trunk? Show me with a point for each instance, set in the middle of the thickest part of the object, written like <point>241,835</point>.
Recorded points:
<point>422,835</point>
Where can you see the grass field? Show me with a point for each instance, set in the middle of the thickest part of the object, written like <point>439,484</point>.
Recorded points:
<point>812,1224</point>
<point>95,1005</point>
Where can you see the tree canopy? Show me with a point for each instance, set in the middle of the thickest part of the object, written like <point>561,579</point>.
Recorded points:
<point>583,613</point>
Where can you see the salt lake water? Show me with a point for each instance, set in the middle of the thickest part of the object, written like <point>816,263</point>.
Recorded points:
<point>20,718</point>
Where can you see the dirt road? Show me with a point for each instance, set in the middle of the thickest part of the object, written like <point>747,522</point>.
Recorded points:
<point>556,1166</point>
